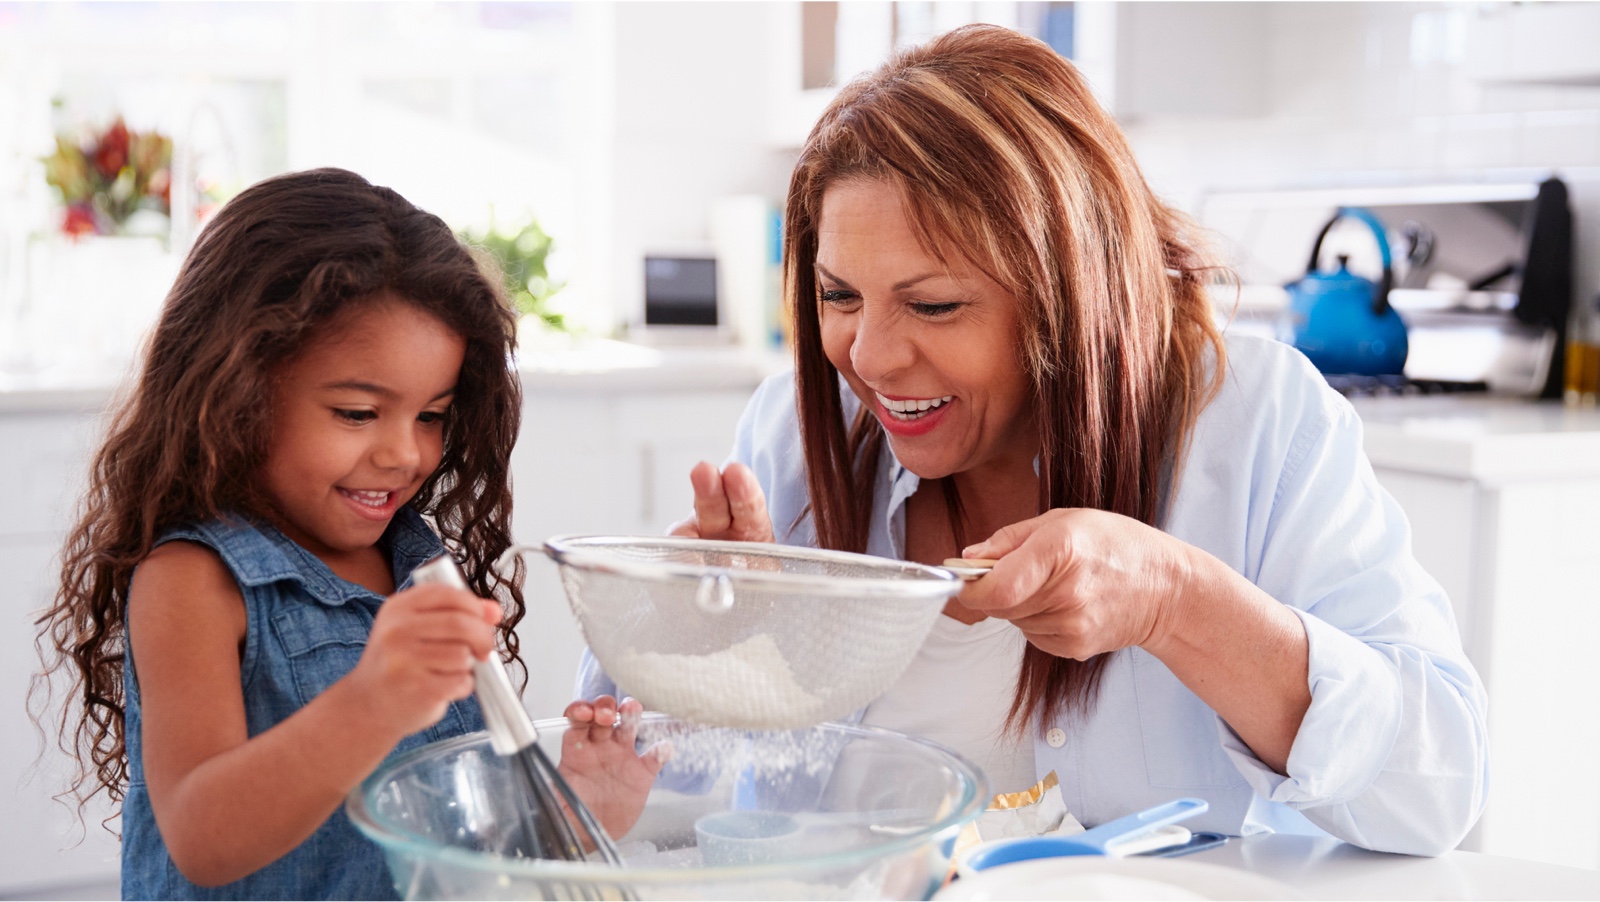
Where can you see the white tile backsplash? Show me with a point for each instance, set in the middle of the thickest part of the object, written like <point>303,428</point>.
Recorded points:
<point>1559,138</point>
<point>1481,141</point>
<point>1393,88</point>
<point>1433,91</point>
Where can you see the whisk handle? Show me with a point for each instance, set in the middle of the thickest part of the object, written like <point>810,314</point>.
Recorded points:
<point>510,729</point>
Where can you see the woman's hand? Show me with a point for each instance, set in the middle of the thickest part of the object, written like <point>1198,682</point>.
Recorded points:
<point>420,652</point>
<point>599,761</point>
<point>728,505</point>
<point>1079,582</point>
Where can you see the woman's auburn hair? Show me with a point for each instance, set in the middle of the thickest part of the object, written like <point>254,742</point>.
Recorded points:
<point>1002,156</point>
<point>264,279</point>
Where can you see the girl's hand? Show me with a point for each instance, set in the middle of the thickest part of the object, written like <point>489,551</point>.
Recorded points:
<point>728,505</point>
<point>599,761</point>
<point>1079,582</point>
<point>420,652</point>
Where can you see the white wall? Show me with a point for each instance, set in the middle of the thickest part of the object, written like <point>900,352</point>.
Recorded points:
<point>691,89</point>
<point>1373,93</point>
<point>1324,93</point>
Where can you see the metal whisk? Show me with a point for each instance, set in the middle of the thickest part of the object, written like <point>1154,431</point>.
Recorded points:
<point>552,834</point>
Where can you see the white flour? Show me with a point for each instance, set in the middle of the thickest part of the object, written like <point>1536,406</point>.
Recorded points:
<point>748,685</point>
<point>716,754</point>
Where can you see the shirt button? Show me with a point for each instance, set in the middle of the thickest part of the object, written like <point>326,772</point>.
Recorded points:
<point>1056,737</point>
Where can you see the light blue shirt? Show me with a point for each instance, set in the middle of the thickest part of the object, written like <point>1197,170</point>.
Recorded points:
<point>1392,754</point>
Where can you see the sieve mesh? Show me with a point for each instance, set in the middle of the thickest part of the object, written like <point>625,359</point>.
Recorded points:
<point>741,634</point>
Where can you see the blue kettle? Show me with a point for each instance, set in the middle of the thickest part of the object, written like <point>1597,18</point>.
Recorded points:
<point>1343,322</point>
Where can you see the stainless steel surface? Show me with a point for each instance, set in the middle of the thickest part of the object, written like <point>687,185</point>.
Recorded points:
<point>507,721</point>
<point>1474,313</point>
<point>745,634</point>
<point>512,735</point>
<point>969,569</point>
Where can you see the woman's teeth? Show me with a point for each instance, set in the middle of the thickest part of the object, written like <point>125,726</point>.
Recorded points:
<point>912,408</point>
<point>370,499</point>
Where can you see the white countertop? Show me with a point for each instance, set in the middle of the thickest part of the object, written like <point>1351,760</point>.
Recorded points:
<point>1280,866</point>
<point>1480,437</point>
<point>582,366</point>
<point>1323,868</point>
<point>602,365</point>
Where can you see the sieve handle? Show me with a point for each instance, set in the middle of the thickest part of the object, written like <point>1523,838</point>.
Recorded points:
<point>510,729</point>
<point>969,569</point>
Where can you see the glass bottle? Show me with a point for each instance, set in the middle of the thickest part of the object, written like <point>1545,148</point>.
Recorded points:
<point>1583,356</point>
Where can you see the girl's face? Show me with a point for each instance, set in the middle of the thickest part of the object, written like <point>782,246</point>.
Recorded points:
<point>358,424</point>
<point>930,346</point>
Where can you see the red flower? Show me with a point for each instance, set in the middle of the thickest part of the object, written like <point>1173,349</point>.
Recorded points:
<point>112,154</point>
<point>79,221</point>
<point>161,186</point>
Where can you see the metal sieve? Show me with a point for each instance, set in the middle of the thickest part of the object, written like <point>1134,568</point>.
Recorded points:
<point>746,634</point>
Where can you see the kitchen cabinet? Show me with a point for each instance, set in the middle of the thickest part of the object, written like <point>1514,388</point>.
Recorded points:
<point>1143,60</point>
<point>43,845</point>
<point>1534,43</point>
<point>815,47</point>
<point>602,463</point>
<point>1153,60</point>
<point>603,451</point>
<point>1504,501</point>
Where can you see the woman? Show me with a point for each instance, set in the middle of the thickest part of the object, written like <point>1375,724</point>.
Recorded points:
<point>1002,337</point>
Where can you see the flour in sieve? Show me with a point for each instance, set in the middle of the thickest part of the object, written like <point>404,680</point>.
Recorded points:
<point>747,685</point>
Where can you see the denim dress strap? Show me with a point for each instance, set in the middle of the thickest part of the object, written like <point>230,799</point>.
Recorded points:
<point>305,629</point>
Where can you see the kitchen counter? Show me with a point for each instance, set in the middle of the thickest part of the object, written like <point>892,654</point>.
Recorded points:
<point>1491,440</point>
<point>601,365</point>
<point>1502,495</point>
<point>1321,868</point>
<point>1282,866</point>
<point>553,365</point>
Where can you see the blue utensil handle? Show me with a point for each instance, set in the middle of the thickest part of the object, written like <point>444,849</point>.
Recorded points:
<point>1089,842</point>
<point>1135,825</point>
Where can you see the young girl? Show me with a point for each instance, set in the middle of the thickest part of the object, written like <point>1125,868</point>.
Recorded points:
<point>326,403</point>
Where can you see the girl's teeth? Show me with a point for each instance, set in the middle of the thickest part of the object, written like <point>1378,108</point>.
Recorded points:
<point>371,499</point>
<point>912,409</point>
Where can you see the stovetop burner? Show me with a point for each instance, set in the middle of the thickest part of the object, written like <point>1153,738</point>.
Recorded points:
<point>1356,386</point>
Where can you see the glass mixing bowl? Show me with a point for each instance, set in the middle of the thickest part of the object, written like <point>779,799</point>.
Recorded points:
<point>829,812</point>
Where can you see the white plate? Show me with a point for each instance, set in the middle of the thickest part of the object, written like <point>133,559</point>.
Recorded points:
<point>1093,877</point>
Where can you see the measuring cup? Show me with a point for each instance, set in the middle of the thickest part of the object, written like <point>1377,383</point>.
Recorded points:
<point>1089,842</point>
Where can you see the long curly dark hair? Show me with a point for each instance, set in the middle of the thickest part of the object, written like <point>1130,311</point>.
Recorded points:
<point>187,444</point>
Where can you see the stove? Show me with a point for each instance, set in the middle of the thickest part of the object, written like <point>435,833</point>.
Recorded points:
<point>1353,386</point>
<point>1481,274</point>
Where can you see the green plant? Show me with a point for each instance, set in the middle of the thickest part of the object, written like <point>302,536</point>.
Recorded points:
<point>521,256</point>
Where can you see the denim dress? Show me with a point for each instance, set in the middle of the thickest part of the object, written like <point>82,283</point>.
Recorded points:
<point>306,629</point>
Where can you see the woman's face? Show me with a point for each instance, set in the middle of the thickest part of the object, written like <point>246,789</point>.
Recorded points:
<point>930,346</point>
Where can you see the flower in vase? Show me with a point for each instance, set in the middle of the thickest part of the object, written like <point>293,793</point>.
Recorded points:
<point>79,220</point>
<point>106,178</point>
